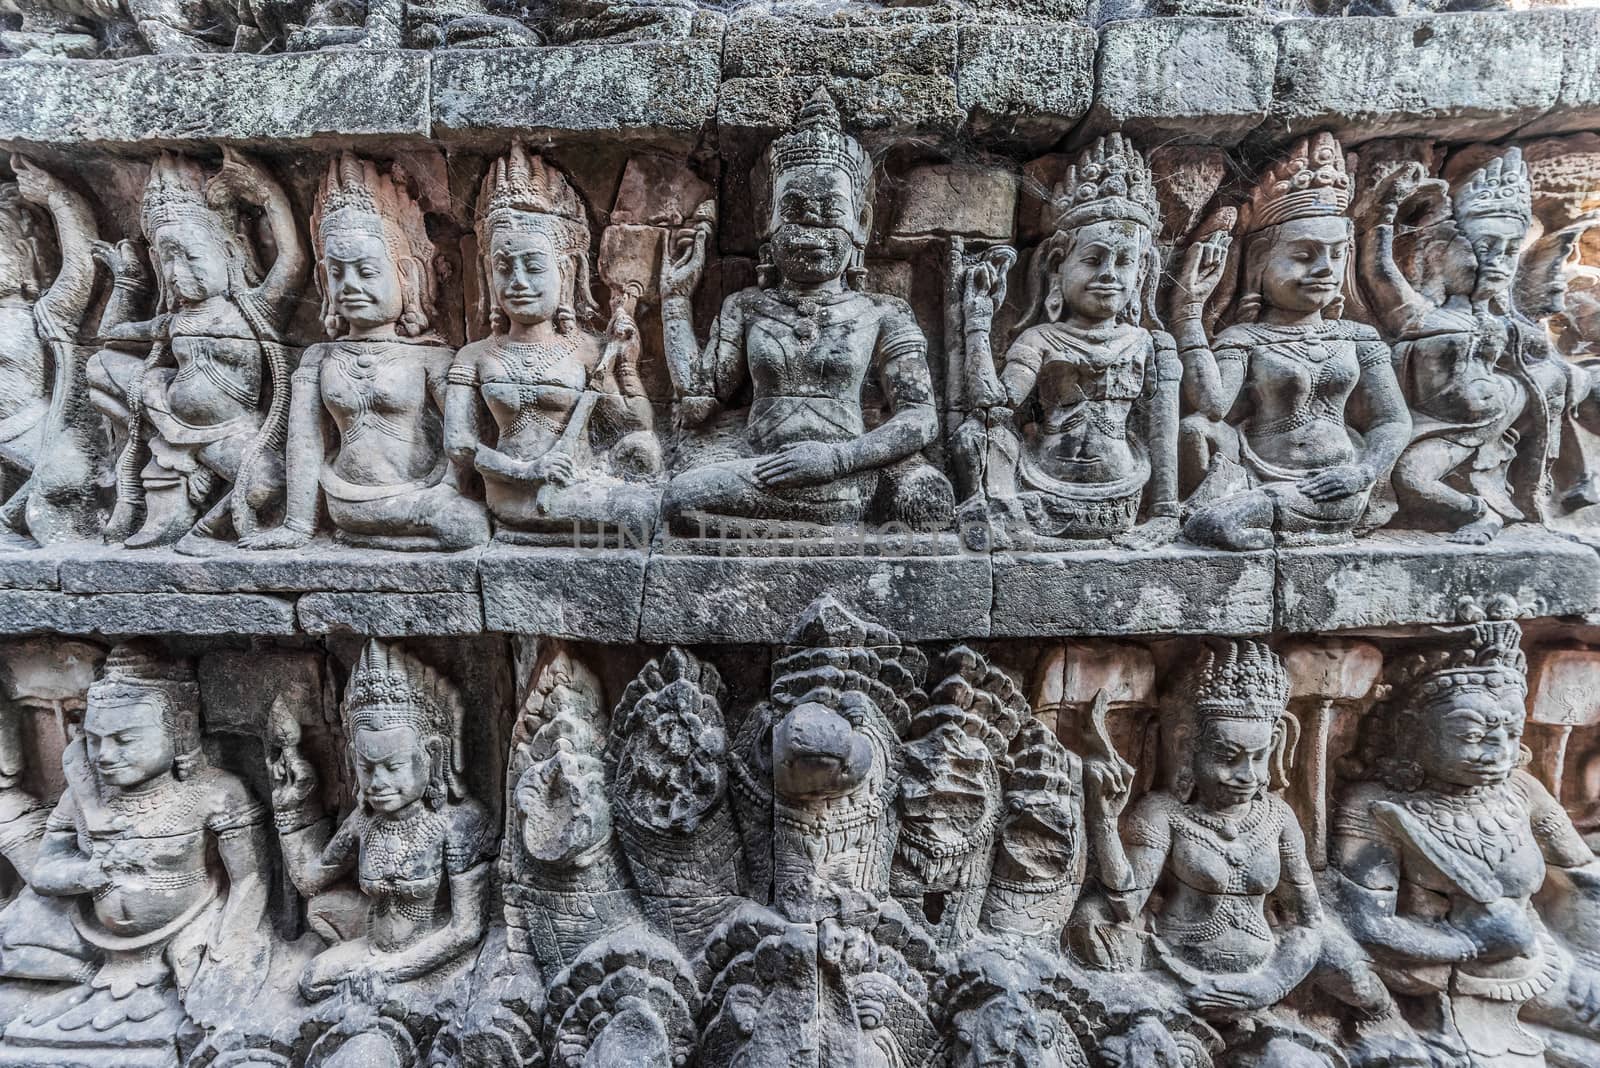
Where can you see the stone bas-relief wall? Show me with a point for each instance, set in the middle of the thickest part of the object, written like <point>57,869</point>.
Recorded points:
<point>863,538</point>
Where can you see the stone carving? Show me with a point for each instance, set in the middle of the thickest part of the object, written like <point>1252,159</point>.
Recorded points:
<point>809,341</point>
<point>382,378</point>
<point>1460,351</point>
<point>1297,412</point>
<point>1225,842</point>
<point>204,411</point>
<point>50,453</point>
<point>1462,876</point>
<point>418,843</point>
<point>1104,436</point>
<point>405,24</point>
<point>573,450</point>
<point>166,859</point>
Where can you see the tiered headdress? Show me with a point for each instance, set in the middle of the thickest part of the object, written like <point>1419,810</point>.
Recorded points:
<point>1490,659</point>
<point>1110,180</point>
<point>390,688</point>
<point>356,198</point>
<point>523,192</point>
<point>1246,681</point>
<point>175,192</point>
<point>139,671</point>
<point>1498,189</point>
<point>1311,182</point>
<point>818,140</point>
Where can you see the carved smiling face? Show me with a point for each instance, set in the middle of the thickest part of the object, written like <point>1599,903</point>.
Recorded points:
<point>127,742</point>
<point>193,261</point>
<point>1472,737</point>
<point>364,284</point>
<point>1305,264</point>
<point>392,768</point>
<point>1232,763</point>
<point>527,275</point>
<point>1496,243</point>
<point>815,224</point>
<point>1100,272</point>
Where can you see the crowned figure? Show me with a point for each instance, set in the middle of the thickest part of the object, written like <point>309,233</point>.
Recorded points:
<point>382,379</point>
<point>167,861</point>
<point>1238,924</point>
<point>572,448</point>
<point>205,412</point>
<point>812,346</point>
<point>1461,875</point>
<point>1460,351</point>
<point>418,844</point>
<point>1297,411</point>
<point>1075,434</point>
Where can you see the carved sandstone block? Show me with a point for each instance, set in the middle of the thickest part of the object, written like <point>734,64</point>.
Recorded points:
<point>1030,82</point>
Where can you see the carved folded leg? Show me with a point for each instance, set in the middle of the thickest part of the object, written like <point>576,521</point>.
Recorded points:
<point>697,500</point>
<point>436,518</point>
<point>1240,523</point>
<point>1419,484</point>
<point>915,494</point>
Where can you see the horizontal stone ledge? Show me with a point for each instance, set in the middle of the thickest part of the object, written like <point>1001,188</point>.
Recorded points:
<point>320,566</point>
<point>150,101</point>
<point>390,615</point>
<point>652,90</point>
<point>199,614</point>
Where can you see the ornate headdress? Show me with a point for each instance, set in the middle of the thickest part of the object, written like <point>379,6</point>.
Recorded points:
<point>818,140</point>
<point>355,197</point>
<point>1491,658</point>
<point>1109,180</point>
<point>523,192</point>
<point>1247,681</point>
<point>390,688</point>
<point>1311,182</point>
<point>1500,188</point>
<point>140,671</point>
<point>175,192</point>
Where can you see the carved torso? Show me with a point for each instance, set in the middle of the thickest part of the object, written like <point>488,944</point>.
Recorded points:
<point>380,397</point>
<point>23,384</point>
<point>531,389</point>
<point>219,365</point>
<point>1454,366</point>
<point>1087,387</point>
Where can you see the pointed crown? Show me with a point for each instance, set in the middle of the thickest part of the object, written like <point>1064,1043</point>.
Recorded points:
<point>818,140</point>
<point>1246,680</point>
<point>523,192</point>
<point>175,192</point>
<point>1500,188</point>
<point>1490,658</point>
<point>355,196</point>
<point>1109,180</point>
<point>1310,183</point>
<point>391,688</point>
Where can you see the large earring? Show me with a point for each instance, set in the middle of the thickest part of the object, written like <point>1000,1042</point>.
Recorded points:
<point>1054,299</point>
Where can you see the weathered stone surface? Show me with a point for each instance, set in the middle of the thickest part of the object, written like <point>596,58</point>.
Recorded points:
<point>1183,79</point>
<point>646,89</point>
<point>1392,579</point>
<point>1451,77</point>
<point>317,567</point>
<point>592,594</point>
<point>1577,104</point>
<point>35,570</point>
<point>1104,591</point>
<point>163,99</point>
<point>756,599</point>
<point>389,614</point>
<point>767,46</point>
<point>1028,83</point>
<point>41,611</point>
<point>879,108</point>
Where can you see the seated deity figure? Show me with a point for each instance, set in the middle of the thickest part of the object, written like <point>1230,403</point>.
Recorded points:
<point>166,862</point>
<point>1460,874</point>
<point>573,448</point>
<point>1238,924</point>
<point>213,391</point>
<point>1460,351</point>
<point>48,456</point>
<point>382,381</point>
<point>1079,426</point>
<point>419,845</point>
<point>1297,413</point>
<point>812,345</point>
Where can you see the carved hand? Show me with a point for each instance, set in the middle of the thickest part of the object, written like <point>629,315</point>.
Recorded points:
<point>1200,273</point>
<point>294,780</point>
<point>239,179</point>
<point>1336,483</point>
<point>685,261</point>
<point>1380,204</point>
<point>122,261</point>
<point>983,287</point>
<point>34,183</point>
<point>1501,928</point>
<point>800,463</point>
<point>556,467</point>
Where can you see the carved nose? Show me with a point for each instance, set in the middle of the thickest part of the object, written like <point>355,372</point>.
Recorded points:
<point>816,753</point>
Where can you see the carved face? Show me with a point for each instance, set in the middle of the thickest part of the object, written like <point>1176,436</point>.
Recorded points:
<point>1100,274</point>
<point>393,768</point>
<point>814,225</point>
<point>1496,242</point>
<point>817,754</point>
<point>364,284</point>
<point>565,815</point>
<point>1305,265</point>
<point>527,273</point>
<point>1472,737</point>
<point>1232,762</point>
<point>127,742</point>
<point>1010,1031</point>
<point>193,261</point>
